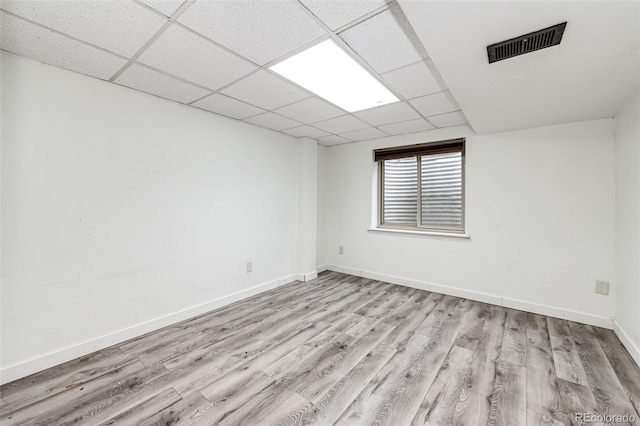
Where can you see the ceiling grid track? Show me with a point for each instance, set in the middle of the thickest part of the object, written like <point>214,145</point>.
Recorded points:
<point>155,37</point>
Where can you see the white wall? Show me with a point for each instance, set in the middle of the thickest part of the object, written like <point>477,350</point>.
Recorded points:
<point>121,212</point>
<point>321,248</point>
<point>539,211</point>
<point>627,144</point>
<point>307,209</point>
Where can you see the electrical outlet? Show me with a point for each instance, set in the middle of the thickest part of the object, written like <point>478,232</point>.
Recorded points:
<point>602,287</point>
<point>340,250</point>
<point>249,267</point>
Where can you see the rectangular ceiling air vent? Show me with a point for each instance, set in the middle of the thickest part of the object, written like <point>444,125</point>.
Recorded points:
<point>526,43</point>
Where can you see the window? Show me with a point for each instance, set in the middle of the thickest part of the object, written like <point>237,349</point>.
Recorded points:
<point>421,187</point>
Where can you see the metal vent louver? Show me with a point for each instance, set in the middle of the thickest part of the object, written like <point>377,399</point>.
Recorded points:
<point>526,43</point>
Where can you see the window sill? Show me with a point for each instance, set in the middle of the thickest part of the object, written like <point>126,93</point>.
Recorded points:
<point>425,233</point>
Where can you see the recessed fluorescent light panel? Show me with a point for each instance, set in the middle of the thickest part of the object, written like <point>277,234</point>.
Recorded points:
<point>331,73</point>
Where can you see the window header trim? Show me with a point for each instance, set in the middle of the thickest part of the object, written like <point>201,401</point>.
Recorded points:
<point>441,147</point>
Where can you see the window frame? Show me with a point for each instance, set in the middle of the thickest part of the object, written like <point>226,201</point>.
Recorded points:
<point>418,151</point>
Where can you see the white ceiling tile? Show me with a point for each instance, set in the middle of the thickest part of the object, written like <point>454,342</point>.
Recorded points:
<point>332,140</point>
<point>337,13</point>
<point>43,45</point>
<point>272,121</point>
<point>166,7</point>
<point>257,29</point>
<point>384,43</point>
<point>184,54</point>
<point>343,124</point>
<point>308,131</point>
<point>146,80</point>
<point>415,80</point>
<point>438,103</point>
<point>387,114</point>
<point>120,26</point>
<point>311,110</point>
<point>230,107</point>
<point>456,118</point>
<point>411,126</point>
<point>364,134</point>
<point>265,90</point>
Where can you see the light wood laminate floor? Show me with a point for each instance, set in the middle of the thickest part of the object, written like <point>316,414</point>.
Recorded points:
<point>341,350</point>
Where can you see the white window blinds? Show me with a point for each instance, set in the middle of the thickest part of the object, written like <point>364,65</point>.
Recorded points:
<point>422,186</point>
<point>441,186</point>
<point>401,191</point>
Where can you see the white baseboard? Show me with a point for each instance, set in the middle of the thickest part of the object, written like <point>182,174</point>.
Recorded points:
<point>59,356</point>
<point>493,299</point>
<point>632,347</point>
<point>321,268</point>
<point>307,277</point>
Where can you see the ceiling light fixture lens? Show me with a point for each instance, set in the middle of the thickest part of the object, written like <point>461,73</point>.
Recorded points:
<point>329,72</point>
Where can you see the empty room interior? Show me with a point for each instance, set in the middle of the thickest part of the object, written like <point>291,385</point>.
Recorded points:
<point>329,212</point>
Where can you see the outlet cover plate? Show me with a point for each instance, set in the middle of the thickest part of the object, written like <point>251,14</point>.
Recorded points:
<point>602,287</point>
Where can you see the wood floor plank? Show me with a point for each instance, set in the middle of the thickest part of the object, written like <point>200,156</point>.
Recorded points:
<point>474,405</point>
<point>440,404</point>
<point>336,400</point>
<point>227,400</point>
<point>191,410</point>
<point>383,306</point>
<point>535,418</point>
<point>340,350</point>
<point>329,339</point>
<point>286,412</point>
<point>471,331</point>
<point>476,396</point>
<point>256,356</point>
<point>314,388</point>
<point>414,303</point>
<point>626,369</point>
<point>119,398</point>
<point>423,373</point>
<point>543,406</point>
<point>317,300</point>
<point>70,403</point>
<point>166,348</point>
<point>605,385</point>
<point>514,342</point>
<point>347,306</point>
<point>238,376</point>
<point>56,380</point>
<point>290,370</point>
<point>295,374</point>
<point>396,392</point>
<point>489,345</point>
<point>574,398</point>
<point>229,338</point>
<point>147,409</point>
<point>509,399</point>
<point>565,357</point>
<point>407,320</point>
<point>292,376</point>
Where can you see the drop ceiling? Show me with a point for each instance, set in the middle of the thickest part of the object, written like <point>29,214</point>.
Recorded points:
<point>214,55</point>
